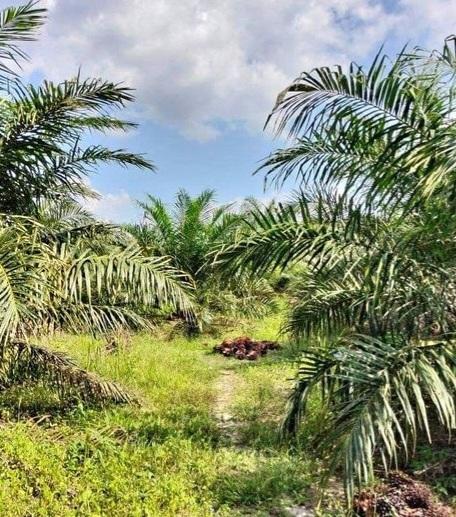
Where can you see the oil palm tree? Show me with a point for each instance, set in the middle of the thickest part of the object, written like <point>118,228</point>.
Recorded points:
<point>59,268</point>
<point>190,232</point>
<point>74,280</point>
<point>376,239</point>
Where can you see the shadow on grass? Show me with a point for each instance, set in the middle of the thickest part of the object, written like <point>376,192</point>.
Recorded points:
<point>257,482</point>
<point>124,424</point>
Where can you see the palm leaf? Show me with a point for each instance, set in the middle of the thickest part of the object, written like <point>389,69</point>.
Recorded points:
<point>379,395</point>
<point>18,24</point>
<point>23,362</point>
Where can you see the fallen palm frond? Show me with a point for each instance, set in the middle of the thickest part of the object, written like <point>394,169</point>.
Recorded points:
<point>23,362</point>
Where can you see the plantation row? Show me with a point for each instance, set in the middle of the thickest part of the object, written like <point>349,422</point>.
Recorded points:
<point>362,256</point>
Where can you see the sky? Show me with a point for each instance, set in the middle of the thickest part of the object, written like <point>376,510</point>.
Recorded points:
<point>206,74</point>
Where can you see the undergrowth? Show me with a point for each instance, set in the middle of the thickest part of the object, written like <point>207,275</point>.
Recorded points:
<point>162,457</point>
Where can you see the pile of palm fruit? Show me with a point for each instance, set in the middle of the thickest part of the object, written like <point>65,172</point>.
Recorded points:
<point>399,495</point>
<point>244,347</point>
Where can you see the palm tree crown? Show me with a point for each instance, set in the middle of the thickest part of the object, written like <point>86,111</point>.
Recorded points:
<point>188,231</point>
<point>373,152</point>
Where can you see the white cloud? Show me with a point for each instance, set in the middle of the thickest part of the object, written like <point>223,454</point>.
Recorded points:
<point>113,207</point>
<point>195,63</point>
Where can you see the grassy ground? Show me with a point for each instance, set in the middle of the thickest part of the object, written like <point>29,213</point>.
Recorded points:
<point>165,458</point>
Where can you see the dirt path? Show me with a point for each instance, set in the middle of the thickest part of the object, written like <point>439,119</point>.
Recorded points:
<point>225,389</point>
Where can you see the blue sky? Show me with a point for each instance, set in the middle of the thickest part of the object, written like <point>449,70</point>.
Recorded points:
<point>224,164</point>
<point>206,73</point>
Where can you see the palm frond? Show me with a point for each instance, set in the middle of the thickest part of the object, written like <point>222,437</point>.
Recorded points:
<point>18,24</point>
<point>280,235</point>
<point>45,124</point>
<point>128,278</point>
<point>23,362</point>
<point>367,128</point>
<point>379,394</point>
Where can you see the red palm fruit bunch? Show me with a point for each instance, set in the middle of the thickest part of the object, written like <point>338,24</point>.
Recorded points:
<point>244,347</point>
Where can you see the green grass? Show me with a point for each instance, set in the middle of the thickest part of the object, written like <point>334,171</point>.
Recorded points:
<point>165,457</point>
<point>436,464</point>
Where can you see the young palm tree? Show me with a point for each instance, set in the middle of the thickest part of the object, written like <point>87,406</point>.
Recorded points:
<point>377,304</point>
<point>189,233</point>
<point>59,268</point>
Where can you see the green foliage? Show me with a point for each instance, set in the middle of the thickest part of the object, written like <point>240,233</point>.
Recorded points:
<point>372,231</point>
<point>435,464</point>
<point>50,281</point>
<point>378,395</point>
<point>59,268</point>
<point>164,458</point>
<point>260,401</point>
<point>41,153</point>
<point>383,133</point>
<point>190,233</point>
<point>41,128</point>
<point>365,280</point>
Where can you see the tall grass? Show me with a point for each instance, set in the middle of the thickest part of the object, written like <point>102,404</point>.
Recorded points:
<point>162,457</point>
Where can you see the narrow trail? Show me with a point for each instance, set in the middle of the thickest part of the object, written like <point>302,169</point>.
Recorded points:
<point>225,389</point>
